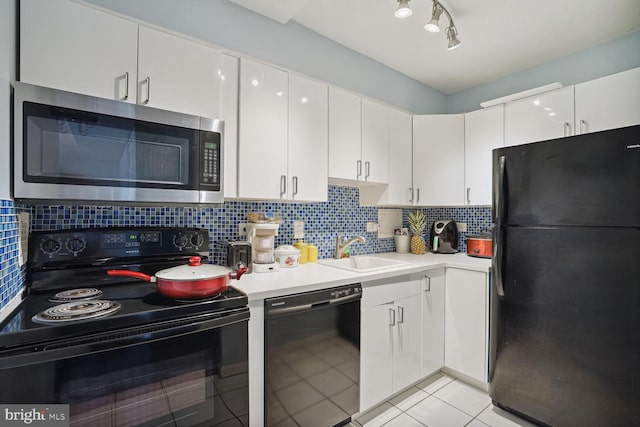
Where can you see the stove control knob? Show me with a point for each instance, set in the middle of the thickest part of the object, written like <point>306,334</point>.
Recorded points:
<point>197,239</point>
<point>50,246</point>
<point>180,241</point>
<point>76,245</point>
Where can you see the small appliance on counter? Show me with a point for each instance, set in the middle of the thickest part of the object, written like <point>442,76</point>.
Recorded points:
<point>479,245</point>
<point>239,255</point>
<point>262,238</point>
<point>444,236</point>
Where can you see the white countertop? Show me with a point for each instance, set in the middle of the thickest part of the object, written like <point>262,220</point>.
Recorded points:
<point>313,276</point>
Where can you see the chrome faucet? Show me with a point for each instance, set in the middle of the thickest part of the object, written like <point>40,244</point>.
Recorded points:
<point>342,246</point>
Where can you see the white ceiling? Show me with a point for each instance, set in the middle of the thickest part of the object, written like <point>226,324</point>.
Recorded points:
<point>499,37</point>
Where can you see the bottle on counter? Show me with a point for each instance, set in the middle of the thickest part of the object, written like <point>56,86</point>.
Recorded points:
<point>304,251</point>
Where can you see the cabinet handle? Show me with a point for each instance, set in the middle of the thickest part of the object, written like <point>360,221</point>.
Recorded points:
<point>367,167</point>
<point>418,195</point>
<point>567,129</point>
<point>426,276</point>
<point>295,185</point>
<point>147,81</point>
<point>583,126</point>
<point>359,168</point>
<point>392,317</point>
<point>468,195</point>
<point>411,192</point>
<point>126,87</point>
<point>283,185</point>
<point>400,314</point>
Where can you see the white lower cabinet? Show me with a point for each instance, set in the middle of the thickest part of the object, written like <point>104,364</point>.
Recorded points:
<point>466,323</point>
<point>390,342</point>
<point>432,321</point>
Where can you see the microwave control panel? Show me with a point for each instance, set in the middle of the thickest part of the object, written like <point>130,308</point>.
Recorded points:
<point>210,158</point>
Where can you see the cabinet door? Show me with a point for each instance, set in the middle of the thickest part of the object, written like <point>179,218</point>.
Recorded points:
<point>344,135</point>
<point>308,139</point>
<point>178,74</point>
<point>375,142</point>
<point>432,321</point>
<point>483,131</point>
<point>438,150</point>
<point>68,46</point>
<point>229,113</point>
<point>399,191</point>
<point>376,354</point>
<point>538,118</point>
<point>263,131</point>
<point>407,342</point>
<point>466,323</point>
<point>609,102</point>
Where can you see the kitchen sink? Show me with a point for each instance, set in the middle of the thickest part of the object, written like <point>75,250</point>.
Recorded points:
<point>362,263</point>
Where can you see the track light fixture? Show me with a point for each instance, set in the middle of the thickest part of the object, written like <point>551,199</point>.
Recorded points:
<point>403,10</point>
<point>433,25</point>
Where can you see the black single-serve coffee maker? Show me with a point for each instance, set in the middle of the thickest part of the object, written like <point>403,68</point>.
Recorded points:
<point>444,237</point>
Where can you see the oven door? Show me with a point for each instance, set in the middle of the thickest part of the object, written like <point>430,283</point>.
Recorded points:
<point>189,372</point>
<point>71,146</point>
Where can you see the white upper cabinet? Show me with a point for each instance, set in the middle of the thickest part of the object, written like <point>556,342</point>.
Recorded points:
<point>375,142</point>
<point>483,131</point>
<point>438,166</point>
<point>609,102</point>
<point>229,113</point>
<point>399,191</point>
<point>345,135</point>
<point>537,118</point>
<point>263,131</point>
<point>308,139</point>
<point>68,46</point>
<point>178,74</point>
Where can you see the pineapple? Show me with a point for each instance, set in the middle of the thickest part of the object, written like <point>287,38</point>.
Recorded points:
<point>417,223</point>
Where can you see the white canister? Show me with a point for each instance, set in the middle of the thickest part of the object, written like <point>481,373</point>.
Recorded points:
<point>287,256</point>
<point>402,244</point>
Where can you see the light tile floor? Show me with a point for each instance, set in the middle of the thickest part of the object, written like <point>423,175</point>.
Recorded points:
<point>440,401</point>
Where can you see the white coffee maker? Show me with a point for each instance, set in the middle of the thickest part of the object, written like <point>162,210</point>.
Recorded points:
<point>262,238</point>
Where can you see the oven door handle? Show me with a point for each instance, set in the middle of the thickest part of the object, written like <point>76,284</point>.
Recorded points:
<point>113,340</point>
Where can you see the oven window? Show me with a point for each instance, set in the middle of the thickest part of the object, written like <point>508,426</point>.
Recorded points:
<point>69,146</point>
<point>190,380</point>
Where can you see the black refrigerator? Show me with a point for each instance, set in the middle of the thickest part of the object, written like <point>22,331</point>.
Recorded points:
<point>565,295</point>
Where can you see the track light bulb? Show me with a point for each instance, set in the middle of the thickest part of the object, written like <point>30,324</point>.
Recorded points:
<point>433,26</point>
<point>452,35</point>
<point>403,11</point>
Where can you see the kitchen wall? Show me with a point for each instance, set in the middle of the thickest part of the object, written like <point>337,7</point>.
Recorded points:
<point>341,213</point>
<point>615,56</point>
<point>290,46</point>
<point>7,75</point>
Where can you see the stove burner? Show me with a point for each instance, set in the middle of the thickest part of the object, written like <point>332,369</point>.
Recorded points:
<point>76,295</point>
<point>77,310</point>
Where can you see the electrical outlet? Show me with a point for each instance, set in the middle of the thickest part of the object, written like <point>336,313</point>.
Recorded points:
<point>242,229</point>
<point>23,242</point>
<point>298,229</point>
<point>462,226</point>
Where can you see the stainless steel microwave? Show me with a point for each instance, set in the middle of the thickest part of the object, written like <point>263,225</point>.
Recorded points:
<point>75,147</point>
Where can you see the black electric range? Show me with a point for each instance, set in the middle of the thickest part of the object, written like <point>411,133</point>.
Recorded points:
<point>154,339</point>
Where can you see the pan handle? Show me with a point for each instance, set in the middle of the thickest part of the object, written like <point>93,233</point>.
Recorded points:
<point>238,273</point>
<point>134,274</point>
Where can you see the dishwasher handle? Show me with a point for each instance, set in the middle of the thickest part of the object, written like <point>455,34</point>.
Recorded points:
<point>285,310</point>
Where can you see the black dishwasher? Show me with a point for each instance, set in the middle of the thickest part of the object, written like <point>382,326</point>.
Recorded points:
<point>312,357</point>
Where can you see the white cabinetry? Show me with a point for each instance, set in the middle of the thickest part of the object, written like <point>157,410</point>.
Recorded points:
<point>466,323</point>
<point>68,46</point>
<point>609,102</point>
<point>229,113</point>
<point>537,118</point>
<point>438,150</point>
<point>283,135</point>
<point>308,139</point>
<point>345,135</point>
<point>375,142</point>
<point>73,47</point>
<point>178,74</point>
<point>433,292</point>
<point>390,343</point>
<point>483,131</point>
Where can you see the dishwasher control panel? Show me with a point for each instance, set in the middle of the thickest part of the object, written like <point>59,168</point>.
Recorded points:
<point>310,300</point>
<point>345,292</point>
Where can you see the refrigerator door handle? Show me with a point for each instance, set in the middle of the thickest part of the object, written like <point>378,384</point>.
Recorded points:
<point>497,259</point>
<point>498,192</point>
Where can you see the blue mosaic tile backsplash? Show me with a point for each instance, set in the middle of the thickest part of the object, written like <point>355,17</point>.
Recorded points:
<point>322,222</point>
<point>12,276</point>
